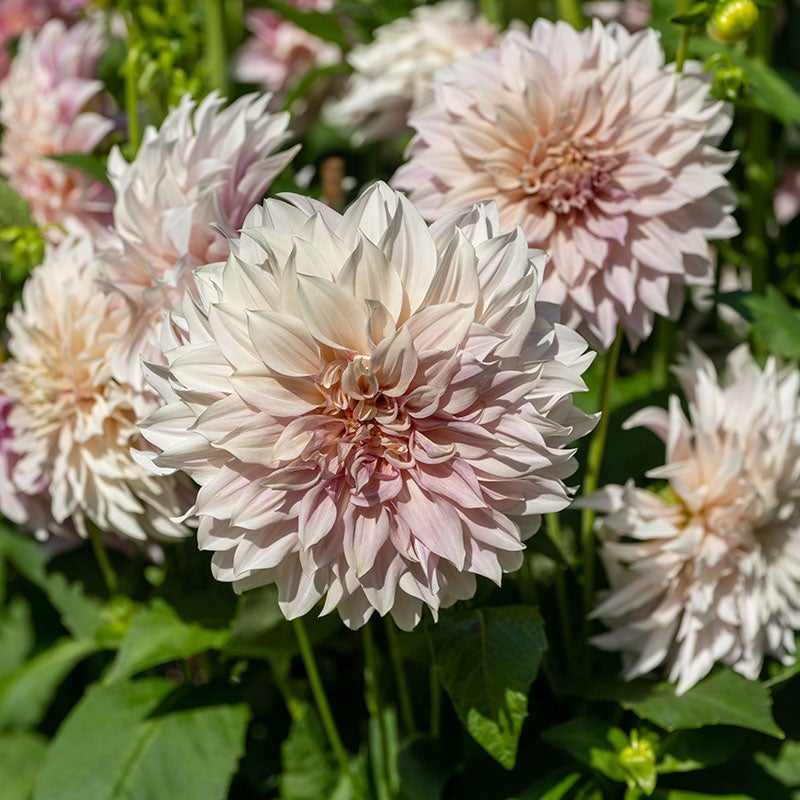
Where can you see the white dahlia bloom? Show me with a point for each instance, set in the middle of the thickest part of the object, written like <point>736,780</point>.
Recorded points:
<point>50,104</point>
<point>72,425</point>
<point>605,157</point>
<point>376,412</point>
<point>189,187</point>
<point>708,570</point>
<point>392,74</point>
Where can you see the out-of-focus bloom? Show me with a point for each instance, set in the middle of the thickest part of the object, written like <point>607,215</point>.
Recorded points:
<point>604,156</point>
<point>189,187</point>
<point>279,53</point>
<point>392,74</point>
<point>18,16</point>
<point>72,424</point>
<point>632,14</point>
<point>368,405</point>
<point>787,196</point>
<point>708,571</point>
<point>51,104</point>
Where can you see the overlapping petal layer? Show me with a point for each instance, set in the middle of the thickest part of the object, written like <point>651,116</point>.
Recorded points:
<point>376,412</point>
<point>708,571</point>
<point>605,157</point>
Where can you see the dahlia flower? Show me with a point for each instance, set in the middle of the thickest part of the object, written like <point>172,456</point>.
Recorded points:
<point>279,53</point>
<point>72,424</point>
<point>189,187</point>
<point>708,570</point>
<point>786,202</point>
<point>632,14</point>
<point>376,412</point>
<point>44,109</point>
<point>604,156</point>
<point>392,73</point>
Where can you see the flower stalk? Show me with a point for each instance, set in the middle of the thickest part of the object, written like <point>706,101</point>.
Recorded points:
<point>403,692</point>
<point>103,561</point>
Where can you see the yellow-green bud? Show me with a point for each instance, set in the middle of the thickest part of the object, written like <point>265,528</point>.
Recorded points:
<point>732,21</point>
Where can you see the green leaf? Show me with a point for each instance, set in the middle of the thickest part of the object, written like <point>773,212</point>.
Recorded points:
<point>14,210</point>
<point>723,698</point>
<point>309,771</point>
<point>785,767</point>
<point>775,322</point>
<point>81,614</point>
<point>676,794</point>
<point>114,745</point>
<point>16,635</point>
<point>423,773</point>
<point>685,751</point>
<point>487,660</point>
<point>94,166</point>
<point>158,635</point>
<point>587,741</point>
<point>324,25</point>
<point>26,692</point>
<point>551,787</point>
<point>20,755</point>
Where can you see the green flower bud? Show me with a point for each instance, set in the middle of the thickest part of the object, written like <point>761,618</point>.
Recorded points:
<point>732,21</point>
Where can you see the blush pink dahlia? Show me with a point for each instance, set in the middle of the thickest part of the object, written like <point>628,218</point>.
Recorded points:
<point>72,424</point>
<point>280,53</point>
<point>376,412</point>
<point>392,74</point>
<point>604,156</point>
<point>50,104</point>
<point>708,570</point>
<point>189,187</point>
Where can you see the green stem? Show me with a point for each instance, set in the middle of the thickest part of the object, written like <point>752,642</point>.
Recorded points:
<point>662,352</point>
<point>323,706</point>
<point>562,604</point>
<point>380,758</point>
<point>686,35</point>
<point>759,170</point>
<point>594,462</point>
<point>106,570</point>
<point>436,702</point>
<point>132,98</point>
<point>403,693</point>
<point>216,59</point>
<point>570,11</point>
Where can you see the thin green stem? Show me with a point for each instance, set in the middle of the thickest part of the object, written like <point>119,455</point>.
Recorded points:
<point>436,702</point>
<point>759,171</point>
<point>562,604</point>
<point>570,11</point>
<point>323,706</point>
<point>663,340</point>
<point>216,59</point>
<point>686,35</point>
<point>380,757</point>
<point>132,98</point>
<point>594,462</point>
<point>403,692</point>
<point>106,570</point>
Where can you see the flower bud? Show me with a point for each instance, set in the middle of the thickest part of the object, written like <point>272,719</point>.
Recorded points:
<point>732,21</point>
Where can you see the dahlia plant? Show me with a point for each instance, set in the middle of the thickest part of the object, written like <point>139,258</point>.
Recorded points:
<point>328,334</point>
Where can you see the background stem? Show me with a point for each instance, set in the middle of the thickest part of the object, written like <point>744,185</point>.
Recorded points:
<point>106,570</point>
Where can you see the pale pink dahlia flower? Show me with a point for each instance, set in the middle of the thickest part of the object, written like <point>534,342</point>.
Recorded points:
<point>50,104</point>
<point>375,412</point>
<point>280,53</point>
<point>189,187</point>
<point>708,570</point>
<point>604,156</point>
<point>392,74</point>
<point>72,424</point>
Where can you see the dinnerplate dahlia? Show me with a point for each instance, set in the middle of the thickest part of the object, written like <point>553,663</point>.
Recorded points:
<point>605,157</point>
<point>375,411</point>
<point>189,187</point>
<point>69,425</point>
<point>708,570</point>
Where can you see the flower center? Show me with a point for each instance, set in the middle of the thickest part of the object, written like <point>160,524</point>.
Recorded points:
<point>566,173</point>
